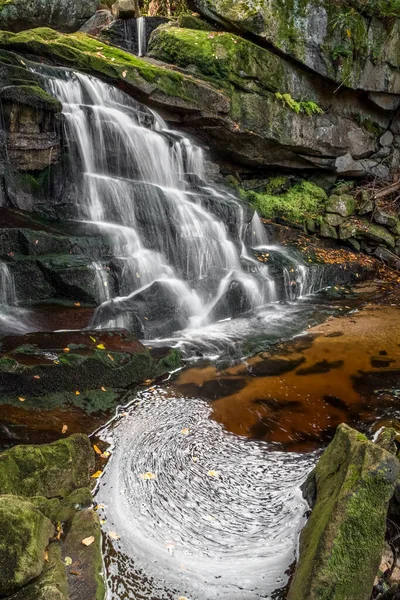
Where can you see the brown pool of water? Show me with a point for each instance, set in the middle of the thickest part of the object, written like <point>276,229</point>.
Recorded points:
<point>344,370</point>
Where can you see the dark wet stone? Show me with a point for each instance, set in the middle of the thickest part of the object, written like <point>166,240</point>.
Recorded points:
<point>324,366</point>
<point>214,389</point>
<point>381,361</point>
<point>275,366</point>
<point>335,334</point>
<point>336,402</point>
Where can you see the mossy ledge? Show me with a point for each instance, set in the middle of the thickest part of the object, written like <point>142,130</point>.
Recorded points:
<point>341,545</point>
<point>140,78</point>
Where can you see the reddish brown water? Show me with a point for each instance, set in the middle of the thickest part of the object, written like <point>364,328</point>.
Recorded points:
<point>345,370</point>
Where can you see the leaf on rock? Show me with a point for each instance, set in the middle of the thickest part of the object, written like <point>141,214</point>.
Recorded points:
<point>185,431</point>
<point>213,473</point>
<point>88,541</point>
<point>101,346</point>
<point>147,475</point>
<point>21,399</point>
<point>96,449</point>
<point>64,429</point>
<point>96,475</point>
<point>124,74</point>
<point>68,561</point>
<point>113,535</point>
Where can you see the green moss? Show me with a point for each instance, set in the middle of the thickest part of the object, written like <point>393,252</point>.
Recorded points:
<point>275,184</point>
<point>31,95</point>
<point>368,124</point>
<point>50,470</point>
<point>304,106</point>
<point>341,545</point>
<point>299,203</point>
<point>189,22</point>
<point>25,533</point>
<point>82,52</point>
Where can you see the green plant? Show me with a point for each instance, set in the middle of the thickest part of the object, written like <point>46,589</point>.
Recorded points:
<point>308,106</point>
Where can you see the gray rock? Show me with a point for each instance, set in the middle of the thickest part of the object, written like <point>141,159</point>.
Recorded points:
<point>63,15</point>
<point>343,205</point>
<point>386,139</point>
<point>355,244</point>
<point>95,24</point>
<point>384,218</point>
<point>124,32</point>
<point>361,228</point>
<point>328,231</point>
<point>124,9</point>
<point>346,165</point>
<point>385,101</point>
<point>391,259</point>
<point>333,220</point>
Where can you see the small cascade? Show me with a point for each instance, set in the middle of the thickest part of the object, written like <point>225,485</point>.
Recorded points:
<point>184,253</point>
<point>8,296</point>
<point>141,35</point>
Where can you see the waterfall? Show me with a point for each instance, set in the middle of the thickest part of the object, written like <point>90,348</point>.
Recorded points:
<point>8,296</point>
<point>141,35</point>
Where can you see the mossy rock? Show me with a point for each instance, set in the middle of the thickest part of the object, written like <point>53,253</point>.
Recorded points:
<point>343,205</point>
<point>341,545</point>
<point>50,470</point>
<point>362,228</point>
<point>190,22</point>
<point>31,95</point>
<point>25,534</point>
<point>134,75</point>
<point>63,510</point>
<point>299,203</point>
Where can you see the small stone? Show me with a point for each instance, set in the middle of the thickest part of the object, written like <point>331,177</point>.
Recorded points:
<point>385,101</point>
<point>328,231</point>
<point>343,205</point>
<point>386,139</point>
<point>333,220</point>
<point>311,226</point>
<point>355,244</point>
<point>124,9</point>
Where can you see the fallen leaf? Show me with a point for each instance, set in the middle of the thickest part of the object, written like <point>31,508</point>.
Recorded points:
<point>124,74</point>
<point>103,389</point>
<point>99,506</point>
<point>21,399</point>
<point>56,362</point>
<point>66,350</point>
<point>74,572</point>
<point>36,377</point>
<point>46,555</point>
<point>77,393</point>
<point>60,531</point>
<point>88,541</point>
<point>101,346</point>
<point>113,535</point>
<point>96,449</point>
<point>213,473</point>
<point>97,474</point>
<point>110,357</point>
<point>77,303</point>
<point>64,429</point>
<point>92,338</point>
<point>103,521</point>
<point>68,561</point>
<point>185,430</point>
<point>105,454</point>
<point>147,475</point>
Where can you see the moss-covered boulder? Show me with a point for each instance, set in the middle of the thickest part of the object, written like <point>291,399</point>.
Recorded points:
<point>360,227</point>
<point>50,470</point>
<point>65,15</point>
<point>25,534</point>
<point>343,205</point>
<point>341,545</point>
<point>349,41</point>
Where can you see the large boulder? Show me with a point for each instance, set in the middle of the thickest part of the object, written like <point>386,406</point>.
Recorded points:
<point>25,534</point>
<point>64,15</point>
<point>341,545</point>
<point>51,470</point>
<point>348,42</point>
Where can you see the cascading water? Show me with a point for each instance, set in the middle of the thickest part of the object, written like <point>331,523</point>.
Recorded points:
<point>12,318</point>
<point>141,35</point>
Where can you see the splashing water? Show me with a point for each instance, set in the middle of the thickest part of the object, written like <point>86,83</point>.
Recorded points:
<point>13,319</point>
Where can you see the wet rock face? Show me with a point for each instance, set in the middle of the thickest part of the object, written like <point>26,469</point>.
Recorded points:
<point>347,44</point>
<point>124,32</point>
<point>64,15</point>
<point>341,545</point>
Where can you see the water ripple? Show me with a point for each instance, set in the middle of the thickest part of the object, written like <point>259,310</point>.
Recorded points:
<point>216,516</point>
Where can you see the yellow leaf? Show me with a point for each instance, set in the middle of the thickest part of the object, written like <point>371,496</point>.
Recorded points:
<point>68,561</point>
<point>147,475</point>
<point>99,506</point>
<point>64,429</point>
<point>110,357</point>
<point>185,430</point>
<point>88,541</point>
<point>124,74</point>
<point>213,473</point>
<point>96,449</point>
<point>348,33</point>
<point>113,535</point>
<point>66,350</point>
<point>36,377</point>
<point>77,303</point>
<point>21,399</point>
<point>97,474</point>
<point>105,454</point>
<point>92,338</point>
<point>77,393</point>
<point>103,389</point>
<point>56,362</point>
<point>46,556</point>
<point>101,346</point>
